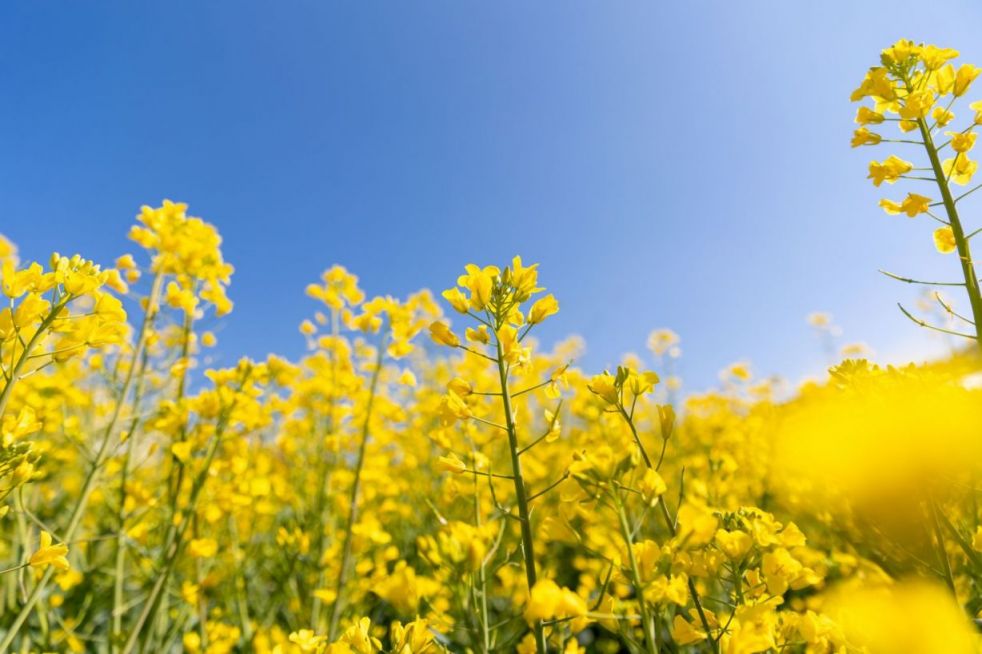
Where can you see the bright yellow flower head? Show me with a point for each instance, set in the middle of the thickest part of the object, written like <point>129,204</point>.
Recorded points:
<point>863,136</point>
<point>8,251</point>
<point>49,554</point>
<point>925,619</point>
<point>480,282</point>
<point>913,205</point>
<point>960,169</point>
<point>962,141</point>
<point>964,78</point>
<point>888,171</point>
<point>186,247</point>
<point>548,600</point>
<point>935,57</point>
<point>441,333</point>
<point>306,640</point>
<point>944,240</point>
<point>542,309</point>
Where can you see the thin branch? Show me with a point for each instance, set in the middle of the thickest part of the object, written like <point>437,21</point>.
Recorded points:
<point>476,353</point>
<point>947,307</point>
<point>968,192</point>
<point>531,388</point>
<point>485,474</point>
<point>489,423</point>
<point>550,486</point>
<point>920,322</point>
<point>908,280</point>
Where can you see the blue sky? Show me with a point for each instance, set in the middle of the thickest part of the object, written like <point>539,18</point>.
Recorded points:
<point>680,165</point>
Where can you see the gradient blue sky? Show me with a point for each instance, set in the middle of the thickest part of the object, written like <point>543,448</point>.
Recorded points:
<point>678,164</point>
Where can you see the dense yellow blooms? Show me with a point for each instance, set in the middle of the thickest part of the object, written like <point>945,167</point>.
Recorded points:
<point>467,489</point>
<point>366,498</point>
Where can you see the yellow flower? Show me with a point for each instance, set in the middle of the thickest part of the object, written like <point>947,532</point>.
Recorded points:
<point>734,544</point>
<point>202,548</point>
<point>480,282</point>
<point>453,408</point>
<point>697,524</point>
<point>641,383</point>
<point>413,638</point>
<point>863,136</point>
<point>912,205</point>
<point>8,251</point>
<point>924,619</point>
<point>456,299</point>
<point>876,84</point>
<point>125,262</point>
<point>547,600</point>
<point>900,52</point>
<point>359,638</point>
<point>977,540</point>
<point>652,486</point>
<point>962,141</point>
<point>866,116</point>
<point>440,332</point>
<point>942,116</point>
<point>478,335</point>
<point>944,240</point>
<point>661,341</point>
<point>605,386</point>
<point>917,105</point>
<point>510,347</point>
<point>182,450</point>
<point>306,640</point>
<point>542,309</point>
<point>451,463</point>
<point>190,593</point>
<point>935,57</point>
<point>523,279</point>
<point>960,169</point>
<point>683,633</point>
<point>889,171</point>
<point>48,554</point>
<point>666,420</point>
<point>461,387</point>
<point>964,78</point>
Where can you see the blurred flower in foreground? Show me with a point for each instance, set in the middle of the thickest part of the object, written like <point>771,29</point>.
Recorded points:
<point>911,617</point>
<point>874,435</point>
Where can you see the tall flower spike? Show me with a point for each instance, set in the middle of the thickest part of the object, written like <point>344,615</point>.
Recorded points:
<point>917,84</point>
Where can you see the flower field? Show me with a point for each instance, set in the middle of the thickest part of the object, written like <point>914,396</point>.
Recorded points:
<point>429,478</point>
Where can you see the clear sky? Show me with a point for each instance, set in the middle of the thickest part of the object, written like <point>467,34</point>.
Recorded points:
<point>670,164</point>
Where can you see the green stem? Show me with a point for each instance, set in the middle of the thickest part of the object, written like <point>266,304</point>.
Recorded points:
<point>353,499</point>
<point>961,241</point>
<point>521,497</point>
<point>670,525</point>
<point>316,520</point>
<point>647,622</point>
<point>939,542</point>
<point>482,573</point>
<point>241,583</point>
<point>174,539</point>
<point>120,566</point>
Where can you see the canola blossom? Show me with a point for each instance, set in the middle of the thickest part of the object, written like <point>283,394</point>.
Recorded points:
<point>428,477</point>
